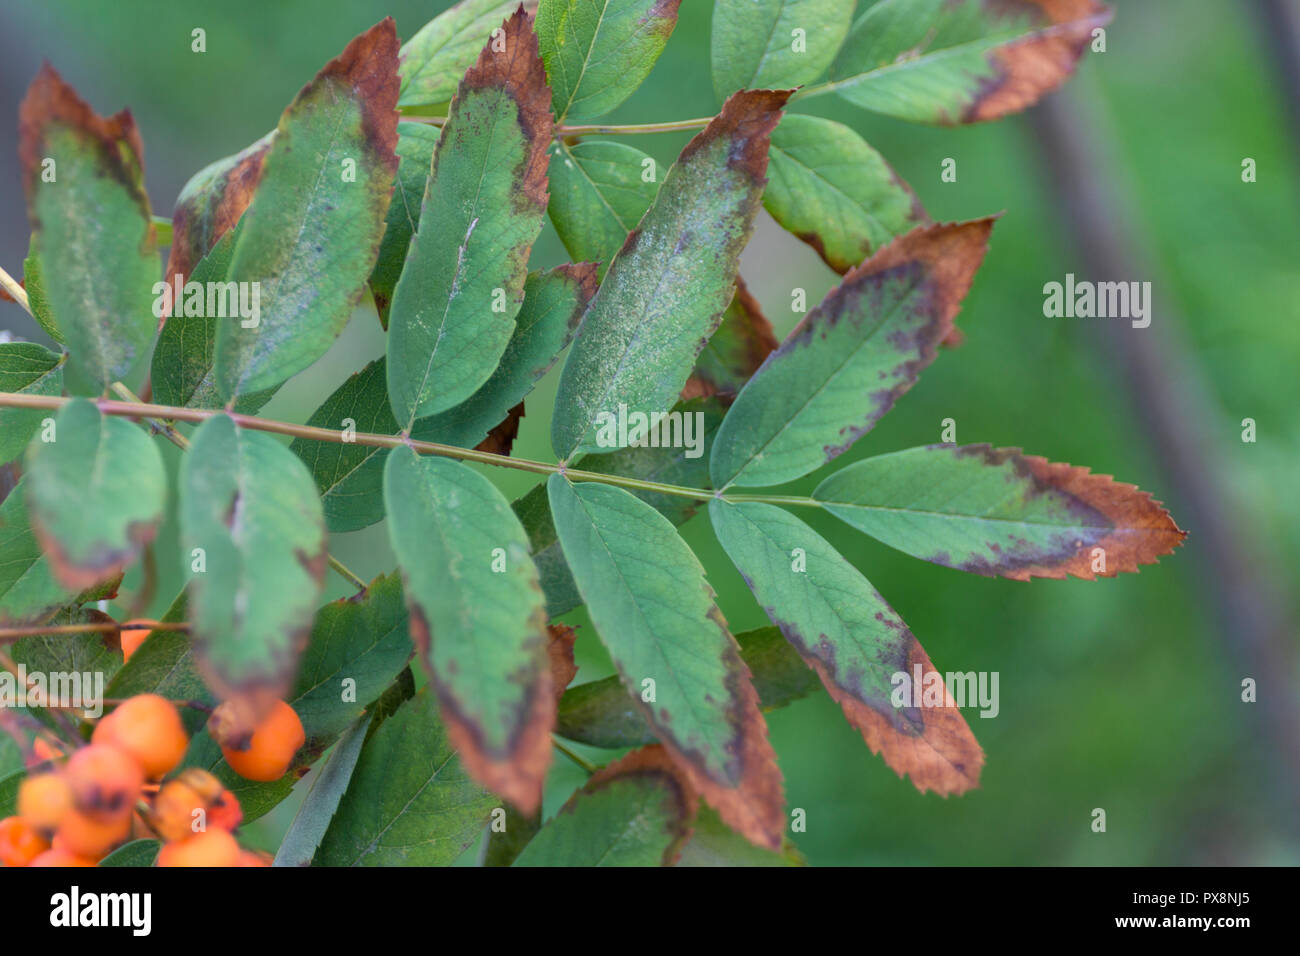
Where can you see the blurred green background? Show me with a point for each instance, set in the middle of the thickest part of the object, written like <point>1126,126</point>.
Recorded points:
<point>1121,694</point>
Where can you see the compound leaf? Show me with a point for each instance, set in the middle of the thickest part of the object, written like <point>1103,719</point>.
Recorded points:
<point>996,511</point>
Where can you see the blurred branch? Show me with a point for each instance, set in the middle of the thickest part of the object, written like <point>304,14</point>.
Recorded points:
<point>1279,25</point>
<point>1172,402</point>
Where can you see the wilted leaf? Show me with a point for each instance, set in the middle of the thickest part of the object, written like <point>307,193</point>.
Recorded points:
<point>602,713</point>
<point>962,61</point>
<point>454,307</point>
<point>409,802</point>
<point>1000,512</point>
<point>95,494</point>
<point>350,476</point>
<point>598,194</point>
<point>477,618</point>
<point>855,642</point>
<point>310,237</point>
<point>850,359</point>
<point>31,369</point>
<point>836,193</point>
<point>755,44</point>
<point>249,513</point>
<point>655,613</point>
<point>83,175</point>
<point>434,60</point>
<point>735,352</point>
<point>597,52</point>
<point>635,812</point>
<point>667,288</point>
<point>415,146</point>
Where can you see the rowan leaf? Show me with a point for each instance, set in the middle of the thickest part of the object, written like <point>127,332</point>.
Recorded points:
<point>135,853</point>
<point>29,369</point>
<point>666,290</point>
<point>96,494</point>
<point>655,613</point>
<point>83,175</point>
<point>602,714</point>
<point>37,297</point>
<point>686,465</point>
<point>253,551</point>
<point>996,511</point>
<point>310,237</point>
<point>313,818</point>
<point>598,195</point>
<point>454,307</point>
<point>28,589</point>
<point>836,193</point>
<point>634,812</point>
<point>415,145</point>
<point>477,619</point>
<point>350,476</point>
<point>597,52</point>
<point>735,351</point>
<point>409,802</point>
<point>164,665</point>
<point>962,61</point>
<point>434,60</point>
<point>775,44</point>
<point>713,843</point>
<point>210,205</point>
<point>854,641</point>
<point>84,657</point>
<point>843,367</point>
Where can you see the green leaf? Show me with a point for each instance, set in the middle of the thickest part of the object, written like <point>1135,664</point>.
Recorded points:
<point>734,352</point>
<point>28,590</point>
<point>434,60</point>
<point>164,665</point>
<point>96,495</point>
<point>317,809</point>
<point>83,176</point>
<point>686,465</point>
<point>843,367</point>
<point>454,307</point>
<point>210,205</point>
<point>962,61</point>
<point>502,847</point>
<point>37,296</point>
<point>477,618</point>
<point>310,237</point>
<point>598,195</point>
<point>183,370</point>
<point>655,613</point>
<point>86,658</point>
<point>1000,512</point>
<point>667,288</point>
<point>409,802</point>
<point>636,812</point>
<point>836,193</point>
<point>135,853</point>
<point>602,714</point>
<point>755,45</point>
<point>415,146</point>
<point>597,52</point>
<point>856,643</point>
<point>33,370</point>
<point>350,476</point>
<point>9,785</point>
<point>713,843</point>
<point>250,507</point>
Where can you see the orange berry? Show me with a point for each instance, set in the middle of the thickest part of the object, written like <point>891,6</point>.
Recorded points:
<point>131,641</point>
<point>19,842</point>
<point>46,751</point>
<point>85,836</point>
<point>266,753</point>
<point>149,729</point>
<point>175,810</point>
<point>226,812</point>
<point>58,857</point>
<point>43,800</point>
<point>253,858</point>
<point>105,782</point>
<point>212,847</point>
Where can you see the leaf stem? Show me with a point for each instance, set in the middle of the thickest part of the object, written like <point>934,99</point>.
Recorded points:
<point>8,634</point>
<point>137,409</point>
<point>580,760</point>
<point>15,290</point>
<point>672,126</point>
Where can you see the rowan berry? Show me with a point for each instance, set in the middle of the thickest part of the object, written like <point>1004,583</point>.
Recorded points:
<point>212,847</point>
<point>20,843</point>
<point>267,752</point>
<point>86,836</point>
<point>60,857</point>
<point>105,782</point>
<point>43,800</point>
<point>149,728</point>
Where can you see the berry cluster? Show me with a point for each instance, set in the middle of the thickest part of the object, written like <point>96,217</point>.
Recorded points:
<point>113,789</point>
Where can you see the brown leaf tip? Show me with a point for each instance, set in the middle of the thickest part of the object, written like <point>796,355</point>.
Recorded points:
<point>50,100</point>
<point>511,61</point>
<point>746,120</point>
<point>654,763</point>
<point>368,64</point>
